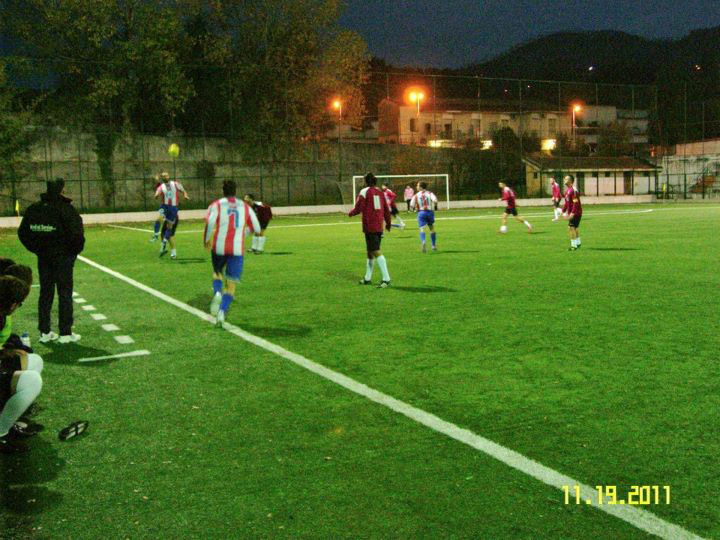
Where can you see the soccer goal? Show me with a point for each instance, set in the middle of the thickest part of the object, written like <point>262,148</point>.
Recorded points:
<point>397,182</point>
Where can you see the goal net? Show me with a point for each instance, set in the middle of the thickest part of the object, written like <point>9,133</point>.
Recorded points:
<point>439,184</point>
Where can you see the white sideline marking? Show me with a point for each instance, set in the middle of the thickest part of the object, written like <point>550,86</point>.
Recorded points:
<point>98,316</point>
<point>74,293</point>
<point>340,223</point>
<point>36,285</point>
<point>124,340</point>
<point>642,519</point>
<point>121,355</point>
<point>110,327</point>
<point>89,308</point>
<point>79,300</point>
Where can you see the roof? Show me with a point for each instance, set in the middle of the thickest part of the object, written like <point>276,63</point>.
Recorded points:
<point>622,163</point>
<point>508,106</point>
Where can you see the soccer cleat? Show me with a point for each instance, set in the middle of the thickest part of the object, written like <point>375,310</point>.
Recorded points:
<point>434,248</point>
<point>69,338</point>
<point>220,318</point>
<point>555,219</point>
<point>47,338</point>
<point>22,430</point>
<point>384,285</point>
<point>215,304</point>
<point>163,249</point>
<point>173,256</point>
<point>73,430</point>
<point>153,238</point>
<point>365,282</point>
<point>572,248</point>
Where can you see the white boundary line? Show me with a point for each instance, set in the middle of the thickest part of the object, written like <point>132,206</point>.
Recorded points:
<point>339,223</point>
<point>121,355</point>
<point>642,519</point>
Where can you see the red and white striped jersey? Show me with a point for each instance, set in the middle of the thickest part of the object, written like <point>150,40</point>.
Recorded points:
<point>226,223</point>
<point>169,191</point>
<point>423,200</point>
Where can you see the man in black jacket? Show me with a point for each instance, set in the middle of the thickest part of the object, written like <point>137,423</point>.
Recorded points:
<point>53,230</point>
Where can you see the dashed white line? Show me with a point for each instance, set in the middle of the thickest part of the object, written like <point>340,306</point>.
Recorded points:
<point>124,340</point>
<point>79,300</point>
<point>98,316</point>
<point>89,308</point>
<point>110,356</point>
<point>110,327</point>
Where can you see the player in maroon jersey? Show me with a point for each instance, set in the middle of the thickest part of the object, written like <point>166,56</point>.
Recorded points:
<point>390,197</point>
<point>508,195</point>
<point>264,214</point>
<point>556,198</point>
<point>373,206</point>
<point>572,211</point>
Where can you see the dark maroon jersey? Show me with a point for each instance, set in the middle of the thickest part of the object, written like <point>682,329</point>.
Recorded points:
<point>509,197</point>
<point>263,213</point>
<point>373,206</point>
<point>572,202</point>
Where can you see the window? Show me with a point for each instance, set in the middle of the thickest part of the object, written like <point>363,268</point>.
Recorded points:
<point>535,175</point>
<point>552,125</point>
<point>505,122</point>
<point>428,129</point>
<point>448,131</point>
<point>493,127</point>
<point>608,174</point>
<point>413,125</point>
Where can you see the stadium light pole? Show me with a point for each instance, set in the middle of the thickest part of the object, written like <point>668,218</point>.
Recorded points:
<point>337,105</point>
<point>575,110</point>
<point>417,97</point>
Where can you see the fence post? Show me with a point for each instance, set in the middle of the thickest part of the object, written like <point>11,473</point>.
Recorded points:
<point>79,160</point>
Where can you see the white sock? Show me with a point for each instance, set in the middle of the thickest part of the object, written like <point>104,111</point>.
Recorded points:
<point>254,242</point>
<point>35,362</point>
<point>382,263</point>
<point>527,224</point>
<point>369,269</point>
<point>573,242</point>
<point>577,241</point>
<point>28,389</point>
<point>261,242</point>
<point>402,223</point>
<point>172,252</point>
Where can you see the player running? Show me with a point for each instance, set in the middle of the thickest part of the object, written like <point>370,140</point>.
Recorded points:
<point>390,197</point>
<point>572,211</point>
<point>424,202</point>
<point>556,198</point>
<point>508,195</point>
<point>373,206</point>
<point>167,192</point>
<point>264,214</point>
<point>226,223</point>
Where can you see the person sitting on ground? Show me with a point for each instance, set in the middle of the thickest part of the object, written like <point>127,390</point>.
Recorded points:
<point>20,379</point>
<point>8,339</point>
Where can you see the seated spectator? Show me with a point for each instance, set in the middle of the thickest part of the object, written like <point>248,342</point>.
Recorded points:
<point>20,379</point>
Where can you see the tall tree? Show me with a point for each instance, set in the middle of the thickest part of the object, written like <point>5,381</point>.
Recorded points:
<point>117,64</point>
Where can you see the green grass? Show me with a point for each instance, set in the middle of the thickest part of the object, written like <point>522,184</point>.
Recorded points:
<point>601,364</point>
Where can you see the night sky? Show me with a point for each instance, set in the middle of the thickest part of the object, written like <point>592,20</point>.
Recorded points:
<point>456,33</point>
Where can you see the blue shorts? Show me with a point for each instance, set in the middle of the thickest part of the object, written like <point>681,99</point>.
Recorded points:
<point>170,212</point>
<point>232,264</point>
<point>426,217</point>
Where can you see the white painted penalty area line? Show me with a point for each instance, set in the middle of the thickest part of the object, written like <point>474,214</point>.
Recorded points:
<point>642,519</point>
<point>111,356</point>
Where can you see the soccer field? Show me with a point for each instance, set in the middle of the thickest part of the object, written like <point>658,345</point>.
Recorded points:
<point>600,365</point>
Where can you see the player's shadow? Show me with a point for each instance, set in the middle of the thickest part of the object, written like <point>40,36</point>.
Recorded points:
<point>442,251</point>
<point>276,253</point>
<point>190,260</point>
<point>290,330</point>
<point>342,274</point>
<point>425,289</point>
<point>70,353</point>
<point>201,301</point>
<point>613,249</point>
<point>534,233</point>
<point>22,493</point>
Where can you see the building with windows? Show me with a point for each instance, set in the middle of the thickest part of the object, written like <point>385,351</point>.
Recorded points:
<point>594,176</point>
<point>454,123</point>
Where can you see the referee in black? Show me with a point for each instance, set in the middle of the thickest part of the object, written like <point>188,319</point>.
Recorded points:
<point>53,230</point>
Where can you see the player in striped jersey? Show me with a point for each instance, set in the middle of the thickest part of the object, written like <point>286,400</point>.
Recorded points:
<point>227,223</point>
<point>424,202</point>
<point>168,193</point>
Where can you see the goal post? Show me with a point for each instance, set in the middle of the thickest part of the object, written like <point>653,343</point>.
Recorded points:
<point>404,179</point>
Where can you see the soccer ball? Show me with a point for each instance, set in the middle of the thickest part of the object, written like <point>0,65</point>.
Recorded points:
<point>503,229</point>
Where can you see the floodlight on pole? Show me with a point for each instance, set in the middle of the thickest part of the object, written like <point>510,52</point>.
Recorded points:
<point>416,96</point>
<point>576,108</point>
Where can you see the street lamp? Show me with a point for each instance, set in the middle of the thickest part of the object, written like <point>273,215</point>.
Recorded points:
<point>337,105</point>
<point>575,110</point>
<point>416,97</point>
